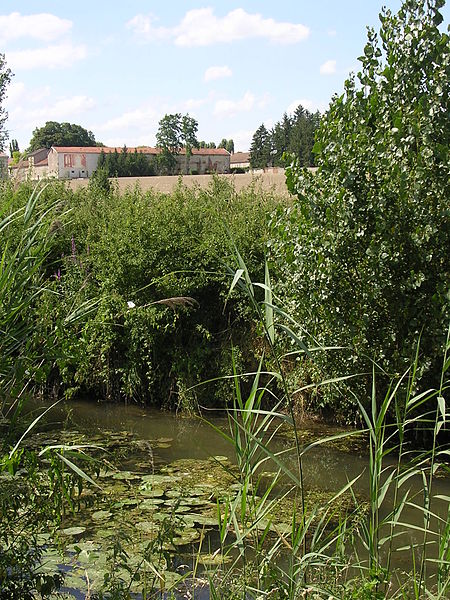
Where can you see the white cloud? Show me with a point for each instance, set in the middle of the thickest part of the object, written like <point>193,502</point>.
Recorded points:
<point>328,67</point>
<point>201,27</point>
<point>51,57</point>
<point>229,108</point>
<point>43,26</point>
<point>145,117</point>
<point>242,139</point>
<point>213,73</point>
<point>310,105</point>
<point>332,32</point>
<point>33,111</point>
<point>15,92</point>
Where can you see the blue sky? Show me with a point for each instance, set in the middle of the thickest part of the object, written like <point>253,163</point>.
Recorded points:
<point>117,68</point>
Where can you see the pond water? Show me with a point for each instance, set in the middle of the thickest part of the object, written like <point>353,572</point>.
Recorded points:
<point>157,448</point>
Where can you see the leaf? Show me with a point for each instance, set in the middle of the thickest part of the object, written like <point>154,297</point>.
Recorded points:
<point>268,306</point>
<point>78,471</point>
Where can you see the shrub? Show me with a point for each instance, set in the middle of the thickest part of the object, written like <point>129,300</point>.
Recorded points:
<point>365,250</point>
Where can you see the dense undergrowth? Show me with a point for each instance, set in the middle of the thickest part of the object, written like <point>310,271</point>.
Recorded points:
<point>104,328</point>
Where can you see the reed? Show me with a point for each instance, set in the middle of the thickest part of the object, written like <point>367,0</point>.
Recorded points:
<point>356,558</point>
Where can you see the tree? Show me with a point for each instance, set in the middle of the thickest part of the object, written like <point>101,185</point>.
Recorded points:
<point>60,134</point>
<point>301,135</point>
<point>230,146</point>
<point>5,79</point>
<point>13,147</point>
<point>168,139</point>
<point>366,246</point>
<point>188,137</point>
<point>261,148</point>
<point>174,133</point>
<point>281,135</point>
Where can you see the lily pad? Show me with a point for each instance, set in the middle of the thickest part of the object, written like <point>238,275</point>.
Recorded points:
<point>150,503</point>
<point>125,476</point>
<point>148,527</point>
<point>101,515</point>
<point>151,492</point>
<point>72,531</point>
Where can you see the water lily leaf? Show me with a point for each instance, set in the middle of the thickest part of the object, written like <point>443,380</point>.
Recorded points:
<point>147,527</point>
<point>151,492</point>
<point>101,515</point>
<point>125,475</point>
<point>72,531</point>
<point>150,503</point>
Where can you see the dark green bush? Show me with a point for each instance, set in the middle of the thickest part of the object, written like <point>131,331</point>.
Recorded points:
<point>110,250</point>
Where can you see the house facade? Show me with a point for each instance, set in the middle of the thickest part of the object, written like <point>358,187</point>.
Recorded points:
<point>72,162</point>
<point>240,160</point>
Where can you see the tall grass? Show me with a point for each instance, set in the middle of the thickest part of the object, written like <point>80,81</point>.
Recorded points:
<point>357,558</point>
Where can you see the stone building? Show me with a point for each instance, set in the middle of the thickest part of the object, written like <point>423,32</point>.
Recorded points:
<point>66,162</point>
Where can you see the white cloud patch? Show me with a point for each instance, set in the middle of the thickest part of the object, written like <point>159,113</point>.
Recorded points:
<point>229,108</point>
<point>15,92</point>
<point>144,117</point>
<point>201,27</point>
<point>52,57</point>
<point>328,67</point>
<point>213,73</point>
<point>34,111</point>
<point>44,27</point>
<point>242,139</point>
<point>310,105</point>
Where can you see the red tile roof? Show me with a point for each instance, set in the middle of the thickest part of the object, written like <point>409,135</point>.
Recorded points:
<point>240,157</point>
<point>141,149</point>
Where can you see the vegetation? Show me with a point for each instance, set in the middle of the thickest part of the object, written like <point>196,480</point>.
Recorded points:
<point>112,250</point>
<point>61,134</point>
<point>293,135</point>
<point>228,145</point>
<point>341,306</point>
<point>5,78</point>
<point>174,133</point>
<point>13,148</point>
<point>126,164</point>
<point>364,250</point>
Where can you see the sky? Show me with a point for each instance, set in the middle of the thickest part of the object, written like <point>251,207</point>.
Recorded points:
<point>116,68</point>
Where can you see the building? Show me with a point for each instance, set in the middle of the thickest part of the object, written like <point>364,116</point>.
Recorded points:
<point>71,162</point>
<point>34,166</point>
<point>240,160</point>
<point>3,166</point>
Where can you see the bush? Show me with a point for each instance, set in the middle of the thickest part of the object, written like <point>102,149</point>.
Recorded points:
<point>365,250</point>
<point>112,251</point>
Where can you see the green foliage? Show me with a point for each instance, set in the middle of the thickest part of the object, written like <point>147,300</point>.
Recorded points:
<point>111,250</point>
<point>124,164</point>
<point>364,252</point>
<point>227,144</point>
<point>260,148</point>
<point>293,135</point>
<point>352,558</point>
<point>13,147</point>
<point>5,79</point>
<point>60,134</point>
<point>174,133</point>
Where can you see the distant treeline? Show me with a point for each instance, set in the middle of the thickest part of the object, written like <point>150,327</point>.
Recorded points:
<point>294,134</point>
